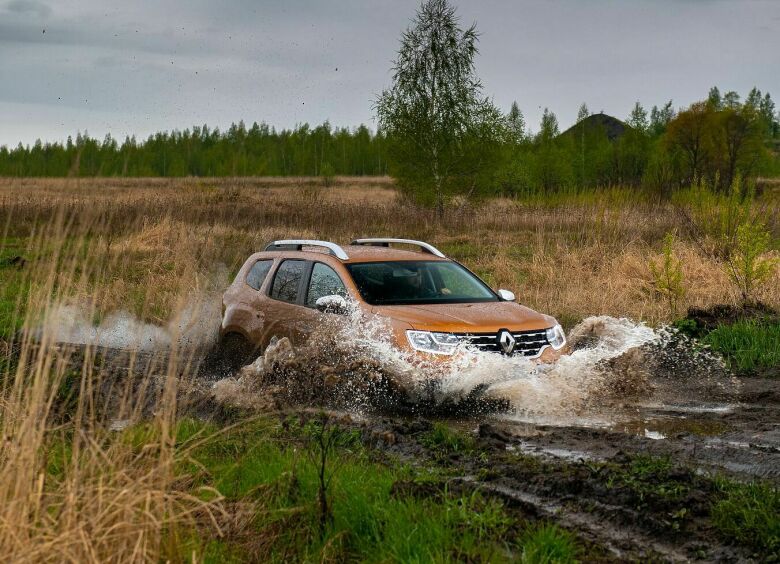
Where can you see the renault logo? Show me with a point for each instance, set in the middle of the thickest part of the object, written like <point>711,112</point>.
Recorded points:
<point>506,341</point>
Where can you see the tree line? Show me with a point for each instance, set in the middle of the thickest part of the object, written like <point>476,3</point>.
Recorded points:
<point>715,141</point>
<point>259,150</point>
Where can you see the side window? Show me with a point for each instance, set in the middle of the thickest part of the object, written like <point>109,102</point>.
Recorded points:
<point>258,272</point>
<point>324,282</point>
<point>287,281</point>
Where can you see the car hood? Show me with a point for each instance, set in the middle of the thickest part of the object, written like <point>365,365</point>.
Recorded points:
<point>483,317</point>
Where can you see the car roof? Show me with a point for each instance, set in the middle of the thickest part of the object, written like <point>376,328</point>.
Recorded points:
<point>368,253</point>
<point>356,253</point>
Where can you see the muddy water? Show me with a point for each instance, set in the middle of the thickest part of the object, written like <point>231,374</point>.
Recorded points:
<point>615,366</point>
<point>624,387</point>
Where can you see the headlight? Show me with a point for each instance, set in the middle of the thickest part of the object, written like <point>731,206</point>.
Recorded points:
<point>437,343</point>
<point>556,337</point>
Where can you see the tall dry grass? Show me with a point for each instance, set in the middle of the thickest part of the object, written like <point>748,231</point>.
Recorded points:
<point>572,256</point>
<point>75,486</point>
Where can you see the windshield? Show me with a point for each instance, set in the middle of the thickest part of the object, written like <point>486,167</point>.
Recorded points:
<point>418,282</point>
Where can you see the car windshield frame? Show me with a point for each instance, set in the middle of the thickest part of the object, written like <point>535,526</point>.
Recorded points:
<point>426,300</point>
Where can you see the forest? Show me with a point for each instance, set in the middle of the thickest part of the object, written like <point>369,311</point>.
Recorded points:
<point>714,140</point>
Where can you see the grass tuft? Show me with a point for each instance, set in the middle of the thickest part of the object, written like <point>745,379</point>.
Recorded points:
<point>749,514</point>
<point>548,544</point>
<point>748,345</point>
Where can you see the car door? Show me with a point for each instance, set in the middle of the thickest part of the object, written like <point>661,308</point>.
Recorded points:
<point>285,309</point>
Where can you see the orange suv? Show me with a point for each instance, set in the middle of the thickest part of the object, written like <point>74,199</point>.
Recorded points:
<point>433,304</point>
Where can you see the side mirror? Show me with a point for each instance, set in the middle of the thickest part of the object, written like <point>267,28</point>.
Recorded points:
<point>506,295</point>
<point>332,304</point>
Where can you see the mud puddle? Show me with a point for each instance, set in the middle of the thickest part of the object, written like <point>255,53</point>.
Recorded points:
<point>623,388</point>
<point>632,502</point>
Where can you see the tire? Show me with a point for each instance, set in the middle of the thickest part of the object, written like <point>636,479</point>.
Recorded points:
<point>235,351</point>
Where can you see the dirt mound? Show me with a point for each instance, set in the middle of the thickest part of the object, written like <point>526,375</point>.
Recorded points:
<point>612,127</point>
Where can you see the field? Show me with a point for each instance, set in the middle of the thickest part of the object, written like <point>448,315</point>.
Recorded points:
<point>119,452</point>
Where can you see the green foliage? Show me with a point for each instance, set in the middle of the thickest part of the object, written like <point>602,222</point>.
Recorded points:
<point>259,462</point>
<point>718,216</point>
<point>328,174</point>
<point>259,150</point>
<point>749,345</point>
<point>450,142</point>
<point>444,137</point>
<point>548,544</point>
<point>668,276</point>
<point>324,441</point>
<point>650,476</point>
<point>688,327</point>
<point>715,144</point>
<point>583,112</point>
<point>750,515</point>
<point>485,517</point>
<point>516,124</point>
<point>747,267</point>
<point>447,440</point>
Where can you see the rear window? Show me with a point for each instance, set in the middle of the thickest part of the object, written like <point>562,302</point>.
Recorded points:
<point>257,273</point>
<point>418,282</point>
<point>287,281</point>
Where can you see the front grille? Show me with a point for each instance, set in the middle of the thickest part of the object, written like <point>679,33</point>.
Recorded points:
<point>527,343</point>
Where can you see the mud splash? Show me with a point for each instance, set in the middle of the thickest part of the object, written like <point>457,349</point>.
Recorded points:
<point>192,327</point>
<point>615,365</point>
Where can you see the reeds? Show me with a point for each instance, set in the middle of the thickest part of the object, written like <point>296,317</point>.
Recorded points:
<point>75,487</point>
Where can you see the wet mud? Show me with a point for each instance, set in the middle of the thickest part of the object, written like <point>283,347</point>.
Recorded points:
<point>578,442</point>
<point>573,442</point>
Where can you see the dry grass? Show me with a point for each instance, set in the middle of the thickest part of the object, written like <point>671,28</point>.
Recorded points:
<point>72,490</point>
<point>586,257</point>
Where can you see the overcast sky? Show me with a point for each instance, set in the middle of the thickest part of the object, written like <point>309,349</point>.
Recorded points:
<point>135,67</point>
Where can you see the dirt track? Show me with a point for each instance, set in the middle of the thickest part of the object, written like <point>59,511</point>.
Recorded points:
<point>741,438</point>
<point>591,480</point>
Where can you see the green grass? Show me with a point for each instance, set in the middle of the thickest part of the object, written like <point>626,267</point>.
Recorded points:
<point>266,464</point>
<point>549,544</point>
<point>445,440</point>
<point>650,477</point>
<point>749,514</point>
<point>748,345</point>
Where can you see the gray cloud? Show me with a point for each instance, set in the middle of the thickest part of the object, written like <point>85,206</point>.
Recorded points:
<point>138,67</point>
<point>29,7</point>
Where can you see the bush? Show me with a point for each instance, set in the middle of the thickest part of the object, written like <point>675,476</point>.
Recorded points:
<point>746,265</point>
<point>328,175</point>
<point>668,276</point>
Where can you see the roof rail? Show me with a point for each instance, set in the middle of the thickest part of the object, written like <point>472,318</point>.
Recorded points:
<point>298,244</point>
<point>382,242</point>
